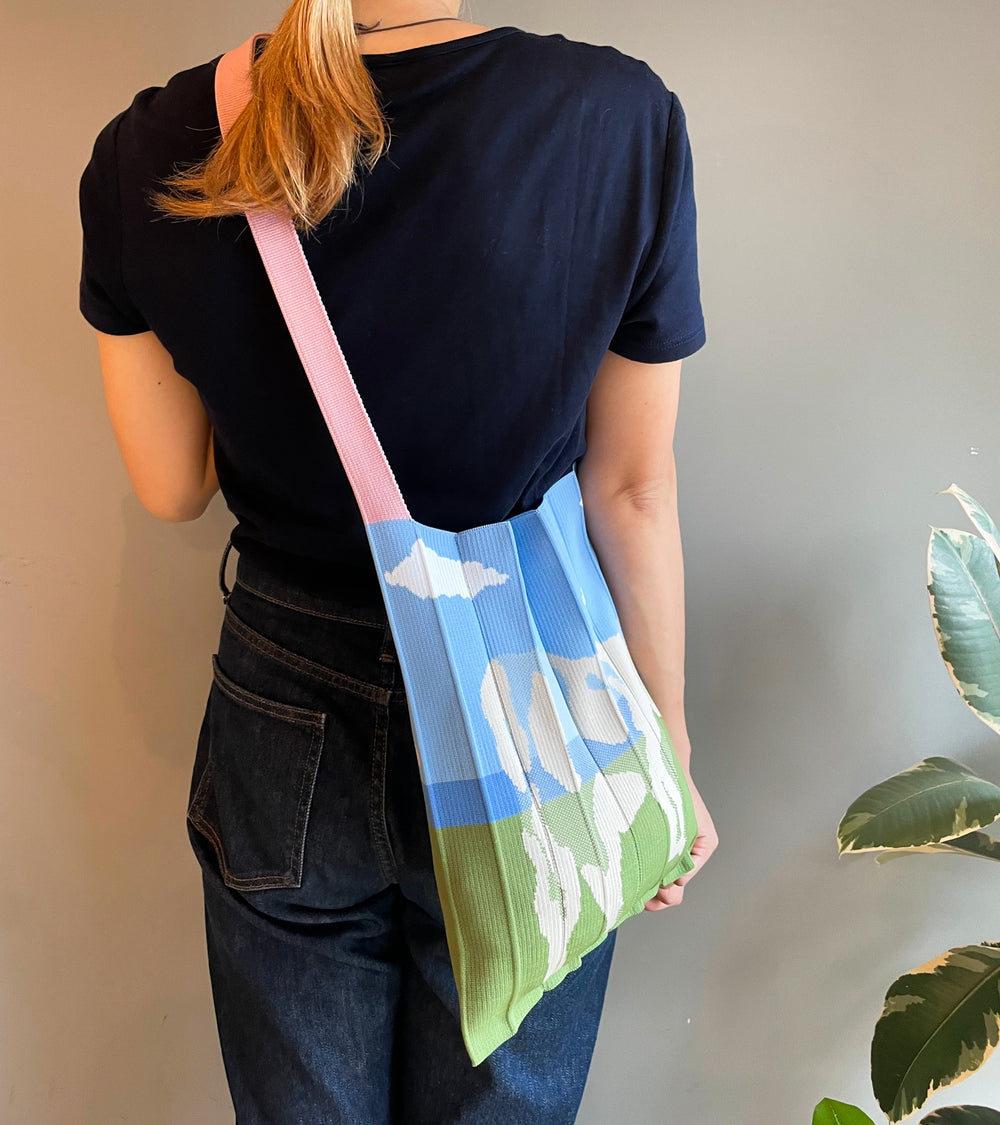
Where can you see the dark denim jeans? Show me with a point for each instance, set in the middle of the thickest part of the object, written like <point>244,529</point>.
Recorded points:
<point>333,989</point>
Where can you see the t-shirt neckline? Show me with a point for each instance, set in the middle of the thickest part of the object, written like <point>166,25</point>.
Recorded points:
<point>389,58</point>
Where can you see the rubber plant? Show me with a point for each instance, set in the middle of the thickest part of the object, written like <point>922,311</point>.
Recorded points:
<point>940,1021</point>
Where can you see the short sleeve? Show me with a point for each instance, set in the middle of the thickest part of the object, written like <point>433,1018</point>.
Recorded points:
<point>663,320</point>
<point>104,302</point>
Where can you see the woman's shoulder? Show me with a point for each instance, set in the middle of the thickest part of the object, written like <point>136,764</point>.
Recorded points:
<point>608,69</point>
<point>177,118</point>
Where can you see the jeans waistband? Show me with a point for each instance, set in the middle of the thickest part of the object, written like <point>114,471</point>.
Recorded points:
<point>342,604</point>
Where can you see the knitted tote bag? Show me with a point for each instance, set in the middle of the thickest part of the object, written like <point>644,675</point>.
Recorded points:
<point>555,802</point>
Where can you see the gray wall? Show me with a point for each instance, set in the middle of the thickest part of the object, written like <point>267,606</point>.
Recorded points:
<point>846,167</point>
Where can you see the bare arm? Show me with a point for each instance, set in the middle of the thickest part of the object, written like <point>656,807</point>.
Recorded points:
<point>161,427</point>
<point>629,484</point>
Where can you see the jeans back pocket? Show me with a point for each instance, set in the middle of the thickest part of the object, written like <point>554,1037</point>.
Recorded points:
<point>251,800</point>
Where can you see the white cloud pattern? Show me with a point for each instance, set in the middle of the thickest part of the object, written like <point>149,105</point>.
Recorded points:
<point>615,799</point>
<point>498,707</point>
<point>556,915</point>
<point>645,714</point>
<point>596,714</point>
<point>548,735</point>
<point>594,710</point>
<point>429,575</point>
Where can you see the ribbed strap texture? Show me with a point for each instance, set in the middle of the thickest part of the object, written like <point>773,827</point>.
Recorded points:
<point>360,450</point>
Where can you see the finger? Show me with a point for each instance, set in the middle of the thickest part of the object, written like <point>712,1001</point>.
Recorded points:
<point>683,880</point>
<point>671,894</point>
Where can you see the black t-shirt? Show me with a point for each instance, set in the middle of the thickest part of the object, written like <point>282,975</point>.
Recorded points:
<point>535,209</point>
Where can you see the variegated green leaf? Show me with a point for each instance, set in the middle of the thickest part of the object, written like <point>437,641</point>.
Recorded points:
<point>964,588</point>
<point>972,843</point>
<point>975,843</point>
<point>830,1112</point>
<point>962,1115</point>
<point>939,1024</point>
<point>979,516</point>
<point>937,799</point>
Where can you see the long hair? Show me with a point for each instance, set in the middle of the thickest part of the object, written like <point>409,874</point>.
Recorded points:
<point>312,117</point>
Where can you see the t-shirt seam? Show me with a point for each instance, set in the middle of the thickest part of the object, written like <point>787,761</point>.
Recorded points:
<point>666,146</point>
<point>663,341</point>
<point>132,320</point>
<point>119,215</point>
<point>447,45</point>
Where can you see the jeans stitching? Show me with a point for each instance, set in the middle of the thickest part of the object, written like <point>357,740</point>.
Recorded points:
<point>292,875</point>
<point>376,806</point>
<point>306,790</point>
<point>312,612</point>
<point>315,724</point>
<point>387,653</point>
<point>301,664</point>
<point>201,792</point>
<point>286,711</point>
<point>238,882</point>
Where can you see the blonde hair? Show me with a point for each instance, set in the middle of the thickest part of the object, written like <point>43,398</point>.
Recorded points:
<point>312,117</point>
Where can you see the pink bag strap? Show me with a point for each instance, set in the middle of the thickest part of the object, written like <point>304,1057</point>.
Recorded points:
<point>361,452</point>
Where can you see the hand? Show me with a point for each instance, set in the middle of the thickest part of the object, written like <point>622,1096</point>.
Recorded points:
<point>704,844</point>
